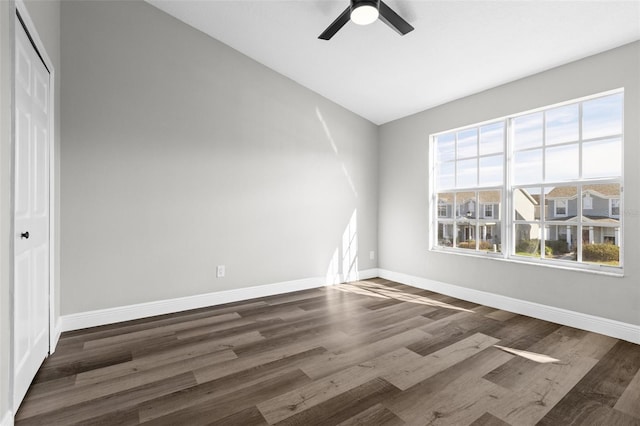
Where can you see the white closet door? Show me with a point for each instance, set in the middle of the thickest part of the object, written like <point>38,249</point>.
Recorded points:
<point>31,220</point>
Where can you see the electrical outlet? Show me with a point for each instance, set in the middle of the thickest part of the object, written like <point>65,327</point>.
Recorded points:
<point>220,271</point>
<point>372,255</point>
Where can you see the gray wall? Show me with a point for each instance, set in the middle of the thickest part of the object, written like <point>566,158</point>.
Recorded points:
<point>180,154</point>
<point>46,18</point>
<point>403,199</point>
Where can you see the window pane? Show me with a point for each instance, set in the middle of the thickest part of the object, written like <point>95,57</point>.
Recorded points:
<point>446,147</point>
<point>527,167</point>
<point>491,170</point>
<point>445,177</point>
<point>602,117</point>
<point>467,143</point>
<point>562,203</point>
<point>489,235</point>
<point>597,203</point>
<point>527,239</point>
<point>600,245</point>
<point>445,205</point>
<point>445,234</point>
<point>615,207</point>
<point>527,131</point>
<point>466,205</point>
<point>562,163</point>
<point>489,205</point>
<point>602,159</point>
<point>560,242</point>
<point>492,138</point>
<point>466,235</point>
<point>526,203</point>
<point>467,173</point>
<point>562,124</point>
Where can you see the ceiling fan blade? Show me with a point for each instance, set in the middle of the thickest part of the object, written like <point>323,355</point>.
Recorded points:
<point>392,19</point>
<point>336,25</point>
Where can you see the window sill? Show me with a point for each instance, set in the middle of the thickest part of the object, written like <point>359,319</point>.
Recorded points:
<point>501,257</point>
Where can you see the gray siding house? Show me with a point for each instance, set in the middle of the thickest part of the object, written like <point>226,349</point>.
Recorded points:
<point>600,214</point>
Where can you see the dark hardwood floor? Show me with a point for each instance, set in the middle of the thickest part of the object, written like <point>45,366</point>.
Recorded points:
<point>367,353</point>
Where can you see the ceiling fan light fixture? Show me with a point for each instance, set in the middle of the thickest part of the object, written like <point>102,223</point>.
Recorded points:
<point>364,12</point>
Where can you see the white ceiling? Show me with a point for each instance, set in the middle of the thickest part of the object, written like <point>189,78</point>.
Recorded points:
<point>457,48</point>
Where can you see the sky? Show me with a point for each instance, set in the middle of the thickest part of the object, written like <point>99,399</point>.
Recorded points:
<point>552,135</point>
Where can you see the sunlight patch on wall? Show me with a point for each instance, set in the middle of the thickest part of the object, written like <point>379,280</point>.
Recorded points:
<point>350,250</point>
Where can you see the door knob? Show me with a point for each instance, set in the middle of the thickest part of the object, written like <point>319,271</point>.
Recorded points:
<point>25,235</point>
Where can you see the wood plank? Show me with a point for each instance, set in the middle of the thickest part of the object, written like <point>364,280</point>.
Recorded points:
<point>343,406</point>
<point>424,367</point>
<point>234,402</point>
<point>629,401</point>
<point>293,402</point>
<point>487,419</point>
<point>79,394</point>
<point>335,362</point>
<point>376,415</point>
<point>371,336</point>
<point>501,315</point>
<point>213,372</point>
<point>247,417</point>
<point>411,403</point>
<point>228,383</point>
<point>102,406</point>
<point>460,403</point>
<point>179,353</point>
<point>596,394</point>
<point>540,388</point>
<point>165,330</point>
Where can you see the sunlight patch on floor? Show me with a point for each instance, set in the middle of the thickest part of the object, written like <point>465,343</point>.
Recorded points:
<point>539,358</point>
<point>368,288</point>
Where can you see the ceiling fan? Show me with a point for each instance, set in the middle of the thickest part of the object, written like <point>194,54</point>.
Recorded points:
<point>364,12</point>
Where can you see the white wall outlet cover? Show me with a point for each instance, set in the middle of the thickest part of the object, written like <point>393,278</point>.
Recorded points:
<point>220,271</point>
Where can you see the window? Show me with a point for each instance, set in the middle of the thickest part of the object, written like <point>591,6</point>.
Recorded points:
<point>614,208</point>
<point>469,169</point>
<point>547,185</point>
<point>560,208</point>
<point>488,210</point>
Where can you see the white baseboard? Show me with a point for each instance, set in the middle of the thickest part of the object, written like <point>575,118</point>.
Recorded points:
<point>142,310</point>
<point>161,307</point>
<point>367,274</point>
<point>7,419</point>
<point>57,331</point>
<point>617,329</point>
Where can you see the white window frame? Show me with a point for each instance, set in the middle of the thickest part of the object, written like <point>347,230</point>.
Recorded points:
<point>556,206</point>
<point>506,213</point>
<point>611,214</point>
<point>490,206</point>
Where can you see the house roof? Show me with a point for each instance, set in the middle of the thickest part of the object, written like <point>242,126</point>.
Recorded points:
<point>586,219</point>
<point>486,197</point>
<point>602,190</point>
<point>535,201</point>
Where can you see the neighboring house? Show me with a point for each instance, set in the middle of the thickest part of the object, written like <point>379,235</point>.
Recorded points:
<point>600,214</point>
<point>527,208</point>
<point>485,211</point>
